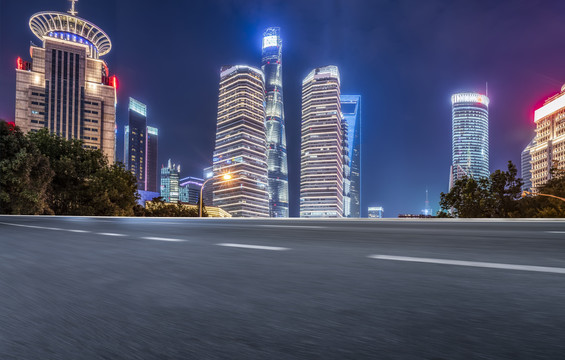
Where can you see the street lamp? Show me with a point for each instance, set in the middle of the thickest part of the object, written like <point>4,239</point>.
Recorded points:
<point>526,193</point>
<point>225,177</point>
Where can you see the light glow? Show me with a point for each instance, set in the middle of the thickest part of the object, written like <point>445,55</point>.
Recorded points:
<point>269,41</point>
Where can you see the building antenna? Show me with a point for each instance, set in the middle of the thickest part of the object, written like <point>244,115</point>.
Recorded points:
<point>73,12</point>
<point>486,92</point>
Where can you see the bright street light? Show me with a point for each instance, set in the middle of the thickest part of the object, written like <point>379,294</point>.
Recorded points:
<point>225,177</point>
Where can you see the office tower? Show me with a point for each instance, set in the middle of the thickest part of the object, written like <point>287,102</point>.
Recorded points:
<point>241,144</point>
<point>189,189</point>
<point>321,173</point>
<point>66,87</point>
<point>526,166</point>
<point>346,169</point>
<point>470,152</point>
<point>135,142</point>
<point>208,191</point>
<point>549,149</point>
<point>375,212</point>
<point>170,182</point>
<point>351,110</point>
<point>152,153</point>
<point>271,64</point>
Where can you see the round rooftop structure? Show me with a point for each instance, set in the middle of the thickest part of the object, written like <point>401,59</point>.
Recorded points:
<point>69,27</point>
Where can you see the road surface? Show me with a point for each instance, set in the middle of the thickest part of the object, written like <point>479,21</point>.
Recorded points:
<point>123,288</point>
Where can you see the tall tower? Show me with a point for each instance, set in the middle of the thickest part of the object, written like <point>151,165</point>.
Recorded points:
<point>548,150</point>
<point>351,110</point>
<point>152,153</point>
<point>66,87</point>
<point>321,173</point>
<point>271,64</point>
<point>135,142</point>
<point>241,144</point>
<point>170,182</point>
<point>470,144</point>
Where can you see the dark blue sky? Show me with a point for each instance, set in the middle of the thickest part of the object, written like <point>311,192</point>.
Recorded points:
<point>405,58</point>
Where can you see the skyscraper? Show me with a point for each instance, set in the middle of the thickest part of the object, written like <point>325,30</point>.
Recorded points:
<point>470,143</point>
<point>351,110</point>
<point>152,153</point>
<point>170,182</point>
<point>271,64</point>
<point>526,166</point>
<point>208,191</point>
<point>241,143</point>
<point>321,173</point>
<point>66,87</point>
<point>135,142</point>
<point>549,149</point>
<point>189,189</point>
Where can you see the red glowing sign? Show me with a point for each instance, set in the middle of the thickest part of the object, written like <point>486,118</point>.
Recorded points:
<point>114,81</point>
<point>20,63</point>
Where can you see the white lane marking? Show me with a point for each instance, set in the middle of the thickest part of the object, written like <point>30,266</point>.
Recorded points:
<point>256,247</point>
<point>295,226</point>
<point>111,234</point>
<point>78,231</point>
<point>161,239</point>
<point>546,269</point>
<point>32,226</point>
<point>555,232</point>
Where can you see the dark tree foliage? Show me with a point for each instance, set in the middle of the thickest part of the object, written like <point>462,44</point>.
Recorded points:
<point>73,180</point>
<point>542,206</point>
<point>159,208</point>
<point>492,197</point>
<point>25,174</point>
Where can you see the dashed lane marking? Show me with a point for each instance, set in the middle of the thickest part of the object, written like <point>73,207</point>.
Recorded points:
<point>255,247</point>
<point>161,239</point>
<point>111,234</point>
<point>479,264</point>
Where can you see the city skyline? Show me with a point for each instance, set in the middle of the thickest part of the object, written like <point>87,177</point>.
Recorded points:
<point>511,115</point>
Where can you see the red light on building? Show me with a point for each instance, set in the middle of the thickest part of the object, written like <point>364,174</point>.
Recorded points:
<point>20,63</point>
<point>114,81</point>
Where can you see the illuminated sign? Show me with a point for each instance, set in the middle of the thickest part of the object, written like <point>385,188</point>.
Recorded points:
<point>470,98</point>
<point>549,108</point>
<point>269,41</point>
<point>152,130</point>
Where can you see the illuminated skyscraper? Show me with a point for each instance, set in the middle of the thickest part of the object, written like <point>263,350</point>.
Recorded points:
<point>321,173</point>
<point>526,166</point>
<point>170,182</point>
<point>351,110</point>
<point>189,189</point>
<point>241,144</point>
<point>135,142</point>
<point>66,87</point>
<point>152,153</point>
<point>549,148</point>
<point>271,65</point>
<point>470,143</point>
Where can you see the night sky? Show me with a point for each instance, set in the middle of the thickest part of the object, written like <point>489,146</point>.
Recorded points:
<point>405,58</point>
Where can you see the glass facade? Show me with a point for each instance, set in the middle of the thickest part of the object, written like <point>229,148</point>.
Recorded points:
<point>189,188</point>
<point>271,64</point>
<point>375,212</point>
<point>241,144</point>
<point>526,166</point>
<point>321,159</point>
<point>135,136</point>
<point>170,182</point>
<point>152,152</point>
<point>351,110</point>
<point>470,142</point>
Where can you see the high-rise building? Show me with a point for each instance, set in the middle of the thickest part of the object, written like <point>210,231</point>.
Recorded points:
<point>271,64</point>
<point>170,182</point>
<point>321,173</point>
<point>241,143</point>
<point>66,87</point>
<point>135,142</point>
<point>152,153</point>
<point>351,110</point>
<point>549,149</point>
<point>189,189</point>
<point>470,143</point>
<point>375,212</point>
<point>208,191</point>
<point>526,166</point>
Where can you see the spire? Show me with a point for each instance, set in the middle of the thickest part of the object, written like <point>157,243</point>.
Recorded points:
<point>73,12</point>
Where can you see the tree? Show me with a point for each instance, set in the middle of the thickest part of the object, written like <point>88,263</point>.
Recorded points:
<point>25,174</point>
<point>495,196</point>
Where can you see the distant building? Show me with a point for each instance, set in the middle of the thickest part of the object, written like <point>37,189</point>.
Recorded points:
<point>146,196</point>
<point>427,208</point>
<point>208,191</point>
<point>152,152</point>
<point>321,162</point>
<point>549,148</point>
<point>375,212</point>
<point>170,182</point>
<point>189,188</point>
<point>271,64</point>
<point>241,143</point>
<point>351,110</point>
<point>526,166</point>
<point>66,87</point>
<point>135,142</point>
<point>470,139</point>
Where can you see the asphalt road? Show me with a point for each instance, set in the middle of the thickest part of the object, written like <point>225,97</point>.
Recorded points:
<point>121,288</point>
